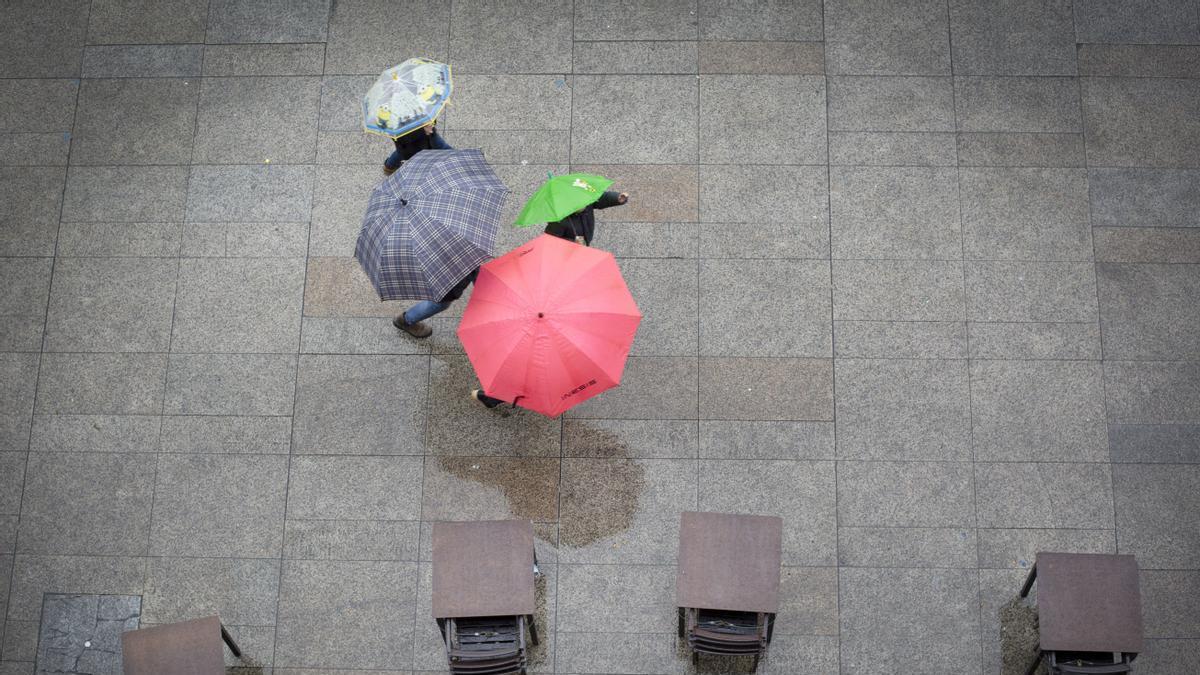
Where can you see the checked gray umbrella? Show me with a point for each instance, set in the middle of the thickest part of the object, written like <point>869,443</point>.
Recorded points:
<point>430,224</point>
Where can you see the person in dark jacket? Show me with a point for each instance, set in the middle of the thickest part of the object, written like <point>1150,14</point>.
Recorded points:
<point>412,320</point>
<point>425,138</point>
<point>580,226</point>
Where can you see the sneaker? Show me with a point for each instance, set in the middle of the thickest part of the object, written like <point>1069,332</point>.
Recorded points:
<point>417,330</point>
<point>488,401</point>
<point>387,171</point>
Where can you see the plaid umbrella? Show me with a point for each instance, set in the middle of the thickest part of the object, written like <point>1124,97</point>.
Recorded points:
<point>430,224</point>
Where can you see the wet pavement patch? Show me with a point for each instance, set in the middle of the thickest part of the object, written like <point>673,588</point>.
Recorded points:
<point>81,634</point>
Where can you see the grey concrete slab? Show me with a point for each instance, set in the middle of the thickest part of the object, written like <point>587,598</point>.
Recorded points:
<point>656,387</point>
<point>51,40</point>
<point>259,240</point>
<point>794,20</point>
<point>807,602</point>
<point>1151,443</point>
<point>220,434</point>
<point>1018,548</point>
<point>1145,197</point>
<point>17,390</point>
<point>522,102</point>
<point>20,643</point>
<point>1014,494</point>
<point>354,488</point>
<point>230,384</point>
<point>739,317</point>
<point>1157,514</point>
<point>264,59</point>
<point>219,505</point>
<point>8,545</point>
<point>668,57</point>
<point>111,305</point>
<point>351,539</point>
<point>905,494</point>
<point>14,479</point>
<point>1139,60</point>
<point>30,201</point>
<point>1035,104</point>
<point>354,614</point>
<point>606,108</point>
<point>342,335</point>
<point>931,618</point>
<point>94,433</point>
<point>623,653</point>
<point>774,58</point>
<point>253,120</point>
<point>241,591</point>
<point>68,505</point>
<point>1168,613</point>
<point>125,194</point>
<point>82,633</point>
<point>241,194</point>
<point>732,439</point>
<point>34,149</point>
<point>1149,122</point>
<point>1146,310</point>
<point>891,104</point>
<point>143,61</point>
<point>23,307</point>
<point>1020,149</point>
<point>341,102</point>
<point>360,405</point>
<point>1030,410</point>
<point>659,240</point>
<point>338,287</point>
<point>627,598</point>
<point>1165,655</point>
<point>615,439</point>
<point>867,148</point>
<point>238,305</point>
<point>1031,291</point>
<point>339,202</point>
<point>484,38</point>
<point>816,654</point>
<point>1140,21</point>
<point>1014,37</point>
<point>119,239</point>
<point>520,487</point>
<point>119,384</point>
<point>1025,214</point>
<point>269,21</point>
<point>540,146</point>
<point>1034,340</point>
<point>917,547</point>
<point>784,125</point>
<point>35,575</point>
<point>804,239</point>
<point>357,147</point>
<point>1152,392</point>
<point>782,389</point>
<point>898,290</point>
<point>900,339</point>
<point>996,589</point>
<point>617,20</point>
<point>774,212</point>
<point>132,22</point>
<point>363,40</point>
<point>894,212</point>
<point>801,492</point>
<point>36,105</point>
<point>902,409</point>
<point>864,38</point>
<point>658,193</point>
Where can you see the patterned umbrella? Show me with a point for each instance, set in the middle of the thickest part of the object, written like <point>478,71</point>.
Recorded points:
<point>406,97</point>
<point>430,224</point>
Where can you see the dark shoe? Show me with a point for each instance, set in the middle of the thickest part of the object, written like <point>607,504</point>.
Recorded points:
<point>387,171</point>
<point>483,398</point>
<point>417,330</point>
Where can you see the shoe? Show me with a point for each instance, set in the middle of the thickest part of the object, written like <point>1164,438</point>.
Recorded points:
<point>478,395</point>
<point>417,330</point>
<point>387,171</point>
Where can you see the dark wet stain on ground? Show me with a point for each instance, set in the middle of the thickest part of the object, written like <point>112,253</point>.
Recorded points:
<point>602,504</point>
<point>529,484</point>
<point>1018,637</point>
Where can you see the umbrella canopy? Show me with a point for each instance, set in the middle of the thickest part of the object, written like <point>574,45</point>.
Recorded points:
<point>560,196</point>
<point>430,224</point>
<point>406,97</point>
<point>549,325</point>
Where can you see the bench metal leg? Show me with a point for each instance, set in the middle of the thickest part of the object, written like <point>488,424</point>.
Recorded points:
<point>1029,579</point>
<point>230,643</point>
<point>1037,659</point>
<point>532,630</point>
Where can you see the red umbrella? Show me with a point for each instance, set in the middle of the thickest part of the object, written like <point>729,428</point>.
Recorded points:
<point>549,325</point>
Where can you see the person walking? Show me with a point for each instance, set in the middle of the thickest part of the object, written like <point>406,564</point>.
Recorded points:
<point>580,226</point>
<point>412,320</point>
<point>425,138</point>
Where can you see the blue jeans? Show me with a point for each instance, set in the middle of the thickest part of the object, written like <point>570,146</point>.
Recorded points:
<point>423,310</point>
<point>396,158</point>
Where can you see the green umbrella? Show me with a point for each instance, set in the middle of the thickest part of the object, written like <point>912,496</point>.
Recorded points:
<point>560,196</point>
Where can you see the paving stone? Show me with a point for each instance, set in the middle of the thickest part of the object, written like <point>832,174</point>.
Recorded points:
<point>485,40</point>
<point>1025,214</point>
<point>605,108</point>
<point>807,602</point>
<point>866,148</point>
<point>1036,104</point>
<point>99,384</point>
<point>354,488</point>
<point>338,287</point>
<point>738,318</point>
<point>111,305</point>
<point>131,22</point>
<point>234,305</point>
<point>766,58</point>
<point>351,539</point>
<point>786,124</point>
<point>82,633</point>
<point>920,547</point>
<point>50,41</point>
<point>909,38</point>
<point>657,194</point>
<point>37,105</point>
<point>801,492</point>
<point>766,440</point>
<point>20,641</point>
<point>516,487</point>
<point>1153,21</point>
<point>894,212</point>
<point>241,119</point>
<point>69,504</point>
<point>657,240</point>
<point>341,101</point>
<point>119,239</point>
<point>352,614</point>
<point>1145,197</point>
<point>1032,495</point>
<point>1158,516</point>
<point>1034,340</point>
<point>1018,548</point>
<point>357,147</point>
<point>363,40</point>
<point>339,202</point>
<point>1031,291</point>
<point>94,433</point>
<point>793,194</point>
<point>905,494</point>
<point>354,336</point>
<point>624,511</point>
<point>264,59</point>
<point>900,339</point>
<point>360,405</point>
<point>898,290</point>
<point>8,545</point>
<point>23,307</point>
<point>1020,149</point>
<point>126,194</point>
<point>219,505</point>
<point>617,20</point>
<point>35,575</point>
<point>1168,611</point>
<point>766,389</point>
<point>247,194</point>
<point>1152,393</point>
<point>263,240</point>
<point>634,57</point>
<point>879,104</point>
<point>617,653</point>
<point>539,146</point>
<point>630,599</point>
<point>30,200</point>
<point>14,478</point>
<point>655,387</point>
<point>1150,443</point>
<point>1139,60</point>
<point>145,61</point>
<point>891,616</point>
<point>18,381</point>
<point>817,654</point>
<point>1141,121</point>
<point>1147,311</point>
<point>267,21</point>
<point>618,439</point>
<point>230,384</point>
<point>996,589</point>
<point>808,238</point>
<point>796,20</point>
<point>241,591</point>
<point>1014,37</point>
<point>1169,657</point>
<point>221,434</point>
<point>34,149</point>
<point>536,102</point>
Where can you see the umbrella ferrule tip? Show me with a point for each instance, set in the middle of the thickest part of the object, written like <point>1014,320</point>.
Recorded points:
<point>541,315</point>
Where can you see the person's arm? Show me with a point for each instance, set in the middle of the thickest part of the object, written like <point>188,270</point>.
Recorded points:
<point>610,198</point>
